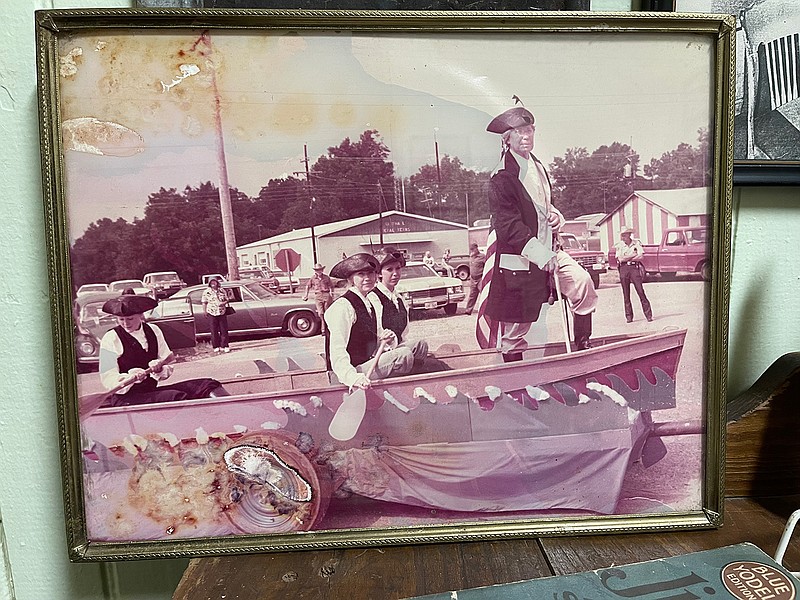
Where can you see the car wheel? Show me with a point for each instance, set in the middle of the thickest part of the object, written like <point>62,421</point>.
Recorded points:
<point>462,273</point>
<point>450,309</point>
<point>595,279</point>
<point>705,271</point>
<point>302,324</point>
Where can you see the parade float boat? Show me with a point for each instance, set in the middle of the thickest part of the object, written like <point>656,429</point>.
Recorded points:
<point>554,432</point>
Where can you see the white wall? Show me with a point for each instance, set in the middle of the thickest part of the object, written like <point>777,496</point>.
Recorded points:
<point>765,280</point>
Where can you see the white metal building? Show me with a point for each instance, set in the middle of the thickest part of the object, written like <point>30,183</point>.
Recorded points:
<point>650,212</point>
<point>413,234</point>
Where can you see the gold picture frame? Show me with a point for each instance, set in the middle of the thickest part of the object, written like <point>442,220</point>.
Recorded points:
<point>162,100</point>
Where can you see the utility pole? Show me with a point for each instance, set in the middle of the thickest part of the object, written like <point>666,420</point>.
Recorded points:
<point>438,171</point>
<point>380,213</point>
<point>226,210</point>
<point>312,200</point>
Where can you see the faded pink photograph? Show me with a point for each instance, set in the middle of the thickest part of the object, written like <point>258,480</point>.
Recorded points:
<point>330,281</point>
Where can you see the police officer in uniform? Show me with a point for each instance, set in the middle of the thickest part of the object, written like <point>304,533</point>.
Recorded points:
<point>322,286</point>
<point>629,253</point>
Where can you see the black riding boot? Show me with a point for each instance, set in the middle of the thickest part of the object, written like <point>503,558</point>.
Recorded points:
<point>582,325</point>
<point>512,357</point>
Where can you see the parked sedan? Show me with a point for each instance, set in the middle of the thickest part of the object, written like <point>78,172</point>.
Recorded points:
<point>91,324</point>
<point>256,310</point>
<point>424,289</point>
<point>138,287</point>
<point>91,288</point>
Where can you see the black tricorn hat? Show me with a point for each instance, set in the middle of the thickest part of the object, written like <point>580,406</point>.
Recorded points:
<point>518,116</point>
<point>390,254</point>
<point>355,263</point>
<point>127,305</point>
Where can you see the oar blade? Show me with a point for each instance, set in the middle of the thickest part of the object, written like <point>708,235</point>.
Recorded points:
<point>348,417</point>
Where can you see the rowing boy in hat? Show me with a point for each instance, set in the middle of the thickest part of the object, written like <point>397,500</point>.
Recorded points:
<point>322,286</point>
<point>135,357</point>
<point>525,222</point>
<point>355,331</point>
<point>386,299</point>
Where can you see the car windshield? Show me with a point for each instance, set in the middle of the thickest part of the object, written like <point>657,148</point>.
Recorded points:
<point>250,274</point>
<point>412,271</point>
<point>280,274</point>
<point>94,287</point>
<point>571,243</point>
<point>121,285</point>
<point>93,311</point>
<point>165,277</point>
<point>260,291</point>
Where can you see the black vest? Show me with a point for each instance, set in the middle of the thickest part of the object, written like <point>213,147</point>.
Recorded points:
<point>133,355</point>
<point>394,317</point>
<point>364,333</point>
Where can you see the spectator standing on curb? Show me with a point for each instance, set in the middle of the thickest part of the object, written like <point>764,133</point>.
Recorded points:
<point>215,304</point>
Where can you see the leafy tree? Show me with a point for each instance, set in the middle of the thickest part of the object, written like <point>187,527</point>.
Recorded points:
<point>351,180</point>
<point>186,229</point>
<point>96,254</point>
<point>266,211</point>
<point>586,183</point>
<point>449,192</point>
<point>686,166</point>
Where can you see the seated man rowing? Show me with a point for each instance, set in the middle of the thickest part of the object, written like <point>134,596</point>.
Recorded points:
<point>135,357</point>
<point>356,336</point>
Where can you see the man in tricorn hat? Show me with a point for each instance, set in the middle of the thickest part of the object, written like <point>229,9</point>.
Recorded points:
<point>527,254</point>
<point>135,357</point>
<point>355,330</point>
<point>322,286</point>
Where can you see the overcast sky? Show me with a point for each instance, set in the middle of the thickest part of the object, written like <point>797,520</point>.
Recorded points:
<point>279,92</point>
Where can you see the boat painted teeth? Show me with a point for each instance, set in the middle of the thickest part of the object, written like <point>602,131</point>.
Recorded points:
<point>556,431</point>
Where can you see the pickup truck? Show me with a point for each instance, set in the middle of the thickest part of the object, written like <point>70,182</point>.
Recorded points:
<point>594,261</point>
<point>682,250</point>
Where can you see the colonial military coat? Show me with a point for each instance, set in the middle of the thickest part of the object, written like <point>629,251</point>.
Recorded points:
<point>514,295</point>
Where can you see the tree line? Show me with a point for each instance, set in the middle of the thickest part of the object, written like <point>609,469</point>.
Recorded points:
<point>182,231</point>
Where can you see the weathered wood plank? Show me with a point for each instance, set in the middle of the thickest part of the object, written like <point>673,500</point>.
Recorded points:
<point>746,520</point>
<point>386,573</point>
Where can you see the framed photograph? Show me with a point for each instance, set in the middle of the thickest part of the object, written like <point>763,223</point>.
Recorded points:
<point>766,122</point>
<point>326,279</point>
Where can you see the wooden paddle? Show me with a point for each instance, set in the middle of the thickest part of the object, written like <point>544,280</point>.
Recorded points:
<point>89,404</point>
<point>348,416</point>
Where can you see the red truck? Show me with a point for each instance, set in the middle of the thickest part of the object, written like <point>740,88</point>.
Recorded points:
<point>594,261</point>
<point>682,250</point>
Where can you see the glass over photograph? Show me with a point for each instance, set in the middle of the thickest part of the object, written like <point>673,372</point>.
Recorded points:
<point>328,281</point>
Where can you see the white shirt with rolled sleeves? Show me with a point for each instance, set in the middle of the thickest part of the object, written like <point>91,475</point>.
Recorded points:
<point>340,318</point>
<point>111,350</point>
